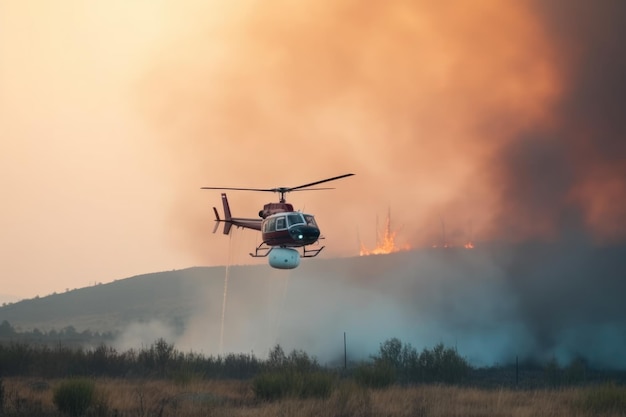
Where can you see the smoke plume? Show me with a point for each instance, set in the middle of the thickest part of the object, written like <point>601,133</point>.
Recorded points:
<point>501,120</point>
<point>417,99</point>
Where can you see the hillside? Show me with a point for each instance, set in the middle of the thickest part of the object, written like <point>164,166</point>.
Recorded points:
<point>108,307</point>
<point>170,296</point>
<point>493,303</point>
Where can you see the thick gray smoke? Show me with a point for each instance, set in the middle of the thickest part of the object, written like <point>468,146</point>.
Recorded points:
<point>535,301</point>
<point>532,127</point>
<point>570,175</point>
<point>567,184</point>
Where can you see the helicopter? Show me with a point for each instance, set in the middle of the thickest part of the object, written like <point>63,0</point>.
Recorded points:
<point>283,230</point>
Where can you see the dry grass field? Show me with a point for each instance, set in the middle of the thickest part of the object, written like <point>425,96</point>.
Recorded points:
<point>130,397</point>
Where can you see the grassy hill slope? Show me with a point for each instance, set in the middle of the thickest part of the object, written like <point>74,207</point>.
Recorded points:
<point>175,296</point>
<point>106,307</point>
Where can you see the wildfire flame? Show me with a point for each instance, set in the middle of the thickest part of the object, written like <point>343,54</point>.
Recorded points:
<point>384,244</point>
<point>445,244</point>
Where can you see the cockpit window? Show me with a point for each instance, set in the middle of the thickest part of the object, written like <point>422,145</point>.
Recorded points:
<point>295,218</point>
<point>310,221</point>
<point>280,223</point>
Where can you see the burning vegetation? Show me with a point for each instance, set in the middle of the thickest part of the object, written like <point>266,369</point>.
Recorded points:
<point>445,242</point>
<point>385,243</point>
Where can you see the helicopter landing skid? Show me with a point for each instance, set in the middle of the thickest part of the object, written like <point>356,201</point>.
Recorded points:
<point>311,253</point>
<point>261,251</point>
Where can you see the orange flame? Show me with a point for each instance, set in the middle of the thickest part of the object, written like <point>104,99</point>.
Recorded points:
<point>385,244</point>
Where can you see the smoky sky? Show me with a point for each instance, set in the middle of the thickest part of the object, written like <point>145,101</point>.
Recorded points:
<point>570,176</point>
<point>565,183</point>
<point>504,116</point>
<point>418,99</point>
<point>502,121</point>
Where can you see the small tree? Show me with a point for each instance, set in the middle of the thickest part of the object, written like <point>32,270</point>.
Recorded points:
<point>439,364</point>
<point>552,372</point>
<point>295,375</point>
<point>277,357</point>
<point>390,352</point>
<point>163,353</point>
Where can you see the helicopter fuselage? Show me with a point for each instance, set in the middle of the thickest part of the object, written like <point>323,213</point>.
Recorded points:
<point>289,229</point>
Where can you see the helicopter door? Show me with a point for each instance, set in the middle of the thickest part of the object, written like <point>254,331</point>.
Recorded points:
<point>269,225</point>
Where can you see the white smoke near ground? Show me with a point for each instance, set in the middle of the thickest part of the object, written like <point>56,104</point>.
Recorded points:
<point>140,335</point>
<point>533,301</point>
<point>492,304</point>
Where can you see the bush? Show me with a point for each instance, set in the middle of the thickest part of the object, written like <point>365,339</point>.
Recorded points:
<point>604,399</point>
<point>297,360</point>
<point>378,375</point>
<point>316,385</point>
<point>74,396</point>
<point>390,352</point>
<point>271,386</point>
<point>275,385</point>
<point>439,364</point>
<point>448,366</point>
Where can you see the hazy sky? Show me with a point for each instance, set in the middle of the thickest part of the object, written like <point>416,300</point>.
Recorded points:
<point>475,114</point>
<point>86,188</point>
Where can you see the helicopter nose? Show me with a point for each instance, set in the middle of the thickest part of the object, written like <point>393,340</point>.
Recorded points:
<point>305,234</point>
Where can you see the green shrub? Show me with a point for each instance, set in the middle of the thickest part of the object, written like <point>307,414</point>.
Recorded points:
<point>378,375</point>
<point>439,364</point>
<point>316,385</point>
<point>270,386</point>
<point>448,367</point>
<point>74,396</point>
<point>605,398</point>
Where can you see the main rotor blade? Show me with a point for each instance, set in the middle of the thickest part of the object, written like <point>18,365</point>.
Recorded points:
<point>315,189</point>
<point>317,182</point>
<point>282,190</point>
<point>270,190</point>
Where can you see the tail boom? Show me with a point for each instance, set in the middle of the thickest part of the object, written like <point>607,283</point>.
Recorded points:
<point>229,221</point>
